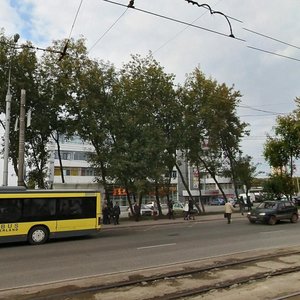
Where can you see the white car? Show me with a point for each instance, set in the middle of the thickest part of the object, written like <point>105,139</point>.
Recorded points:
<point>177,206</point>
<point>144,211</point>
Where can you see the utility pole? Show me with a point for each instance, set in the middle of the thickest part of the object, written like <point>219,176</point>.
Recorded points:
<point>21,140</point>
<point>7,122</point>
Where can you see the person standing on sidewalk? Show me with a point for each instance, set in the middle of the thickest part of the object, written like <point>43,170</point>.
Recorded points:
<point>228,210</point>
<point>171,210</point>
<point>116,213</point>
<point>105,213</point>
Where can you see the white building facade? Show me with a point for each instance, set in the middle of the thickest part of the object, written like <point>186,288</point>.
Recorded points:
<point>77,172</point>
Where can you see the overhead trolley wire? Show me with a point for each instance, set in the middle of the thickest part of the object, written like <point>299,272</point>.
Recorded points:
<point>273,53</point>
<point>181,31</point>
<point>102,36</point>
<point>206,7</point>
<point>257,109</point>
<point>271,38</point>
<point>75,19</point>
<point>274,39</point>
<point>64,51</point>
<point>207,29</point>
<point>212,12</point>
<point>174,20</point>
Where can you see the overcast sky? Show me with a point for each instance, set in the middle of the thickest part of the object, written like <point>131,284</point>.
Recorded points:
<point>269,83</point>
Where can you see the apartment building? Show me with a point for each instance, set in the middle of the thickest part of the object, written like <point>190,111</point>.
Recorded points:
<point>77,172</point>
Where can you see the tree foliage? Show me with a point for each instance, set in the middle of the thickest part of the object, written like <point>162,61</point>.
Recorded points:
<point>135,118</point>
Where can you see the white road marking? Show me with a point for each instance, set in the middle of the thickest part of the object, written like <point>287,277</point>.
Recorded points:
<point>268,232</point>
<point>156,246</point>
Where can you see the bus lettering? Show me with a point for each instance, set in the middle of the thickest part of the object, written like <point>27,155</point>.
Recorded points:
<point>9,227</point>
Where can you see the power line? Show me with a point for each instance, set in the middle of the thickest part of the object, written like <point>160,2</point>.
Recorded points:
<point>64,51</point>
<point>206,7</point>
<point>261,110</point>
<point>75,19</point>
<point>273,53</point>
<point>271,38</point>
<point>206,29</point>
<point>102,36</point>
<point>212,12</point>
<point>176,35</point>
<point>266,115</point>
<point>174,20</point>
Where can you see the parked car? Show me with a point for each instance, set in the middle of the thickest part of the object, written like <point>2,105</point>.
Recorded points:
<point>272,211</point>
<point>296,201</point>
<point>177,206</point>
<point>144,211</point>
<point>217,201</point>
<point>233,201</point>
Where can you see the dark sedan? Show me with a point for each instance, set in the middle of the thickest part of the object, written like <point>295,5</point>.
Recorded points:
<point>272,211</point>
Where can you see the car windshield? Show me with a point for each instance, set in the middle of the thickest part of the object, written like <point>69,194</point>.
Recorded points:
<point>268,205</point>
<point>144,207</point>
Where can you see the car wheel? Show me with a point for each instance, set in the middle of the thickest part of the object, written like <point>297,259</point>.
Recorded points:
<point>294,218</point>
<point>38,235</point>
<point>252,221</point>
<point>272,220</point>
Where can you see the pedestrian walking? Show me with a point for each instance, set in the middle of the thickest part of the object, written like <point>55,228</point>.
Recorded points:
<point>116,213</point>
<point>241,205</point>
<point>249,203</point>
<point>136,209</point>
<point>191,210</point>
<point>154,211</point>
<point>186,210</point>
<point>228,210</point>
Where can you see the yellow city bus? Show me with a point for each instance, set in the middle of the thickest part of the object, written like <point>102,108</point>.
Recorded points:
<point>37,215</point>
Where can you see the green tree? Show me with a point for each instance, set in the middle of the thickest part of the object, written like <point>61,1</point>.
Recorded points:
<point>213,130</point>
<point>246,172</point>
<point>282,150</point>
<point>142,97</point>
<point>278,185</point>
<point>23,63</point>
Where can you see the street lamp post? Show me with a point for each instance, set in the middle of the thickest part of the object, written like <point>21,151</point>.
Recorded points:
<point>7,122</point>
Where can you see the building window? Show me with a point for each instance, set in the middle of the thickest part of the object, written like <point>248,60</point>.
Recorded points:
<point>87,172</point>
<point>67,172</point>
<point>66,155</point>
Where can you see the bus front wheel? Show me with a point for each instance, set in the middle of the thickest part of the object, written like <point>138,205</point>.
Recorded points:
<point>38,235</point>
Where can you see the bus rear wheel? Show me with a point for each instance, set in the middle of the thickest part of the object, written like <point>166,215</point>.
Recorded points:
<point>38,235</point>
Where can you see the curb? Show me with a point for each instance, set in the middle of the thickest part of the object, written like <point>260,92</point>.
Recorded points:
<point>149,223</point>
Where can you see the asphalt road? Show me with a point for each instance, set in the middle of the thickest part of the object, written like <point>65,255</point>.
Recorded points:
<point>123,249</point>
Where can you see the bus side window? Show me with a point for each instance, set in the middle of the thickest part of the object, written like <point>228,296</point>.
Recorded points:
<point>37,208</point>
<point>64,207</point>
<point>10,210</point>
<point>75,207</point>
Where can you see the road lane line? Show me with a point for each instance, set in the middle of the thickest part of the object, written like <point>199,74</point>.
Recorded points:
<point>273,231</point>
<point>156,246</point>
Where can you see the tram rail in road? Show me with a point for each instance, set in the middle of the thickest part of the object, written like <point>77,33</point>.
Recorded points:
<point>181,281</point>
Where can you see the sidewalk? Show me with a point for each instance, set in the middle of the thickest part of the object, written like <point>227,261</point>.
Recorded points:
<point>216,215</point>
